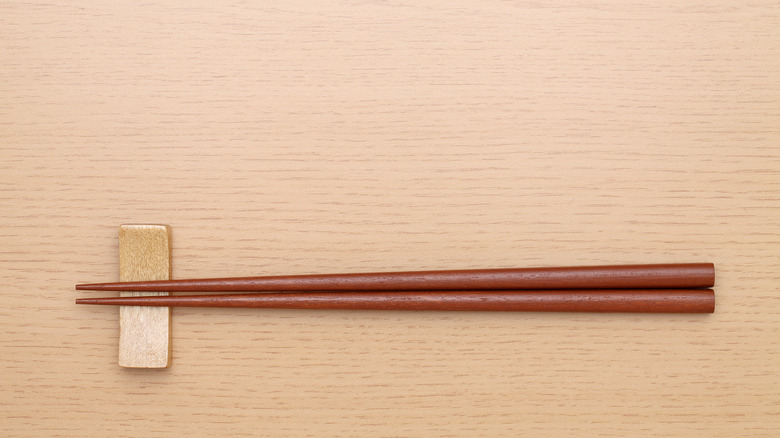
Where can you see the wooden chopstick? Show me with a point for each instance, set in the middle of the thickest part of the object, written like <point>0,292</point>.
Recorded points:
<point>686,275</point>
<point>612,300</point>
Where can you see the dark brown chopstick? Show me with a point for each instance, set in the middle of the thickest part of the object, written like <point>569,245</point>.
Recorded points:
<point>659,276</point>
<point>613,300</point>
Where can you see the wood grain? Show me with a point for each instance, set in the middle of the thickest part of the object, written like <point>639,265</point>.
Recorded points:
<point>144,333</point>
<point>302,137</point>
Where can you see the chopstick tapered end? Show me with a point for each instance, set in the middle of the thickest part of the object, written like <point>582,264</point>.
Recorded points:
<point>94,286</point>
<point>90,301</point>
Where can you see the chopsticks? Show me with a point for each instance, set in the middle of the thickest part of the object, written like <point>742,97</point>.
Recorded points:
<point>684,275</point>
<point>667,288</point>
<point>606,300</point>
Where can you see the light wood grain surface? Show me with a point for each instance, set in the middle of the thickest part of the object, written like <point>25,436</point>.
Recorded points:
<point>306,137</point>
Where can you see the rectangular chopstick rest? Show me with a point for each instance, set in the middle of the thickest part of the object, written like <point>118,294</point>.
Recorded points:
<point>144,333</point>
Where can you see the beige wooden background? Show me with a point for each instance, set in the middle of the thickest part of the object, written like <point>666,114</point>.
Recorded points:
<point>306,137</point>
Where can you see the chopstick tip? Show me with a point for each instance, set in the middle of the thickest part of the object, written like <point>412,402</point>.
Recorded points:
<point>93,301</point>
<point>91,286</point>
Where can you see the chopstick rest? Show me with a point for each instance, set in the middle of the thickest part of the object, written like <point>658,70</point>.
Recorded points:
<point>144,332</point>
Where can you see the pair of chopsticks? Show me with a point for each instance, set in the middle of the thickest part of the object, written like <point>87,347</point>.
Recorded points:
<point>660,288</point>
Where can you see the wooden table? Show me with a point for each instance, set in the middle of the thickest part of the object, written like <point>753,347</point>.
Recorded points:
<point>288,138</point>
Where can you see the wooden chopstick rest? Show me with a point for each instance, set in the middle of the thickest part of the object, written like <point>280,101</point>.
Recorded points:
<point>144,332</point>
